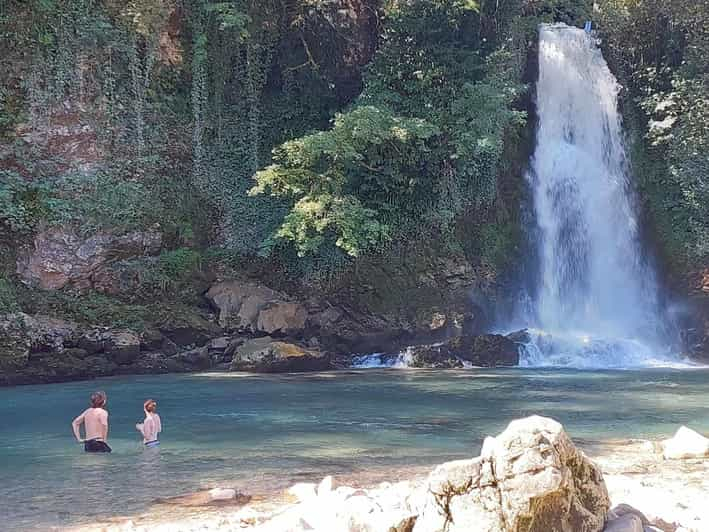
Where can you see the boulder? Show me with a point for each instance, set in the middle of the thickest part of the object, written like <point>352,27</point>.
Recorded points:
<point>21,334</point>
<point>264,355</point>
<point>303,491</point>
<point>123,347</point>
<point>485,350</point>
<point>520,337</point>
<point>195,358</point>
<point>239,303</point>
<point>432,356</point>
<point>625,523</point>
<point>154,340</point>
<point>187,328</point>
<point>282,318</point>
<point>222,494</point>
<point>686,443</point>
<point>625,509</point>
<point>530,478</point>
<point>61,258</point>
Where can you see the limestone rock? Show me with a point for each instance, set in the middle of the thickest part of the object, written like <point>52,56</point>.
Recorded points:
<point>222,494</point>
<point>282,318</point>
<point>61,258</point>
<point>686,443</point>
<point>265,355</point>
<point>196,359</point>
<point>188,329</point>
<point>123,347</point>
<point>239,303</point>
<point>530,478</point>
<point>21,334</point>
<point>325,486</point>
<point>303,491</point>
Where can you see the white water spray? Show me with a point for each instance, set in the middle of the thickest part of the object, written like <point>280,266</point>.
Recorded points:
<point>597,300</point>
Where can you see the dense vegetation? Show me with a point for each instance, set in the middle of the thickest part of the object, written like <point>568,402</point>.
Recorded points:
<point>315,135</point>
<point>661,51</point>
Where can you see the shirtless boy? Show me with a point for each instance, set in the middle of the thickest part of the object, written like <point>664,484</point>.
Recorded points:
<point>95,420</point>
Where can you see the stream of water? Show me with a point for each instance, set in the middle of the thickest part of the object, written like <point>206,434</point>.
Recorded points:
<point>262,433</point>
<point>596,302</point>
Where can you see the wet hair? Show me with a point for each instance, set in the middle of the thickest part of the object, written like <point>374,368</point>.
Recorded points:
<point>150,405</point>
<point>98,399</point>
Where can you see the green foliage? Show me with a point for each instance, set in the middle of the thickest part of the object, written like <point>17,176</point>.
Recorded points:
<point>91,308</point>
<point>171,271</point>
<point>661,49</point>
<point>22,203</point>
<point>348,182</point>
<point>8,297</point>
<point>422,144</point>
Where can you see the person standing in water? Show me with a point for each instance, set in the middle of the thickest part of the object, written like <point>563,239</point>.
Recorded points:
<point>151,427</point>
<point>95,420</point>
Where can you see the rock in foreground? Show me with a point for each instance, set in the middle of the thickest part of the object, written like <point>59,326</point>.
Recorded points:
<point>531,478</point>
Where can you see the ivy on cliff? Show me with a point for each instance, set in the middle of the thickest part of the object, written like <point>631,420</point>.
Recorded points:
<point>661,50</point>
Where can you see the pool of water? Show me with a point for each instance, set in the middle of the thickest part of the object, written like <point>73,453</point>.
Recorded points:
<point>260,433</point>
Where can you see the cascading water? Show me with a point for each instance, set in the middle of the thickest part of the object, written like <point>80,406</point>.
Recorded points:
<point>597,303</point>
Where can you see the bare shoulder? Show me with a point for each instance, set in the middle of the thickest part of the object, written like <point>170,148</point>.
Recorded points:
<point>101,415</point>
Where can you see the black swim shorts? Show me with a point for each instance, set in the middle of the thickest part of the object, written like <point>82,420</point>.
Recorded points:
<point>96,446</point>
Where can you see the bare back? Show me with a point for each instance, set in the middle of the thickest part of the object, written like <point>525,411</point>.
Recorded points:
<point>95,422</point>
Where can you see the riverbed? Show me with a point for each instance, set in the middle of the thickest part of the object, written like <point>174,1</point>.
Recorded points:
<point>259,433</point>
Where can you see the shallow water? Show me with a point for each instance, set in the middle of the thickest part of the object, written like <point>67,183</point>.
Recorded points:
<point>260,433</point>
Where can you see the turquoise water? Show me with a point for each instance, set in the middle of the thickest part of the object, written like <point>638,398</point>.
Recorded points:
<point>259,433</point>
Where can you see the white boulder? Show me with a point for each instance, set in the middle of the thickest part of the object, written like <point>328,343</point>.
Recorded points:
<point>530,478</point>
<point>686,443</point>
<point>303,491</point>
<point>222,494</point>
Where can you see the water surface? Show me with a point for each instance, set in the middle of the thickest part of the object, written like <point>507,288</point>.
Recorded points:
<point>260,433</point>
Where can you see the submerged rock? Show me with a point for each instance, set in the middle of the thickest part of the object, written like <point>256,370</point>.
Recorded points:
<point>268,356</point>
<point>530,478</point>
<point>485,350</point>
<point>686,443</point>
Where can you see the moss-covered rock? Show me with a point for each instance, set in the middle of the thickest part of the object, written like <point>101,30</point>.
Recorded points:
<point>264,355</point>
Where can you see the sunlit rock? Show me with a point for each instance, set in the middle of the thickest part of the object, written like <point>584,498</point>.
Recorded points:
<point>222,494</point>
<point>529,478</point>
<point>268,356</point>
<point>686,443</point>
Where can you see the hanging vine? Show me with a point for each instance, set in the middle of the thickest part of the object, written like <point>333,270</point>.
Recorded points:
<point>199,102</point>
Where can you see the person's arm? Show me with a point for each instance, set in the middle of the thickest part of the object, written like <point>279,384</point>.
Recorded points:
<point>76,424</point>
<point>103,419</point>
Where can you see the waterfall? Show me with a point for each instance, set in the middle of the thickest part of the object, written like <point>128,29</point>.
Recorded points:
<point>596,302</point>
